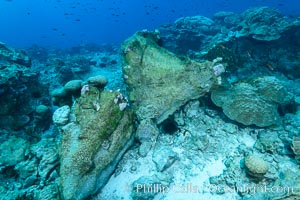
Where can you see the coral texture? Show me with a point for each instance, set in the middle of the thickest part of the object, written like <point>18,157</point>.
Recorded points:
<point>93,144</point>
<point>256,166</point>
<point>159,80</point>
<point>253,103</point>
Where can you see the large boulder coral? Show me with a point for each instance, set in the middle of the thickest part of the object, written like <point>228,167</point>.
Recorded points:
<point>158,81</point>
<point>93,142</point>
<point>254,103</point>
<point>64,95</point>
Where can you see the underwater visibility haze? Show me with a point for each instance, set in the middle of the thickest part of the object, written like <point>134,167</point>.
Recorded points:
<point>65,23</point>
<point>149,100</point>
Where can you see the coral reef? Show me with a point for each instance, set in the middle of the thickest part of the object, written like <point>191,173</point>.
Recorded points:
<point>219,119</point>
<point>258,40</point>
<point>262,23</point>
<point>21,93</point>
<point>191,33</point>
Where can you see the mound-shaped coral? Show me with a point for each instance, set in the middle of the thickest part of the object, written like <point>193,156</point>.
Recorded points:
<point>253,103</point>
<point>242,104</point>
<point>255,166</point>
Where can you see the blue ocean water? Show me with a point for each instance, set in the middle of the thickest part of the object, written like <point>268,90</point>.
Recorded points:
<point>64,23</point>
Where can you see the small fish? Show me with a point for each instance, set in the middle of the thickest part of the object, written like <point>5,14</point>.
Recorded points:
<point>270,67</point>
<point>222,46</point>
<point>249,54</point>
